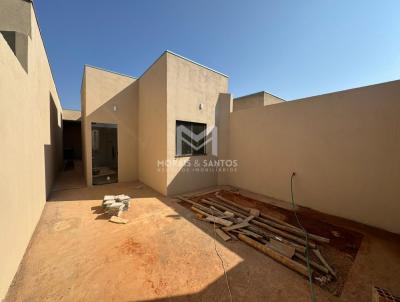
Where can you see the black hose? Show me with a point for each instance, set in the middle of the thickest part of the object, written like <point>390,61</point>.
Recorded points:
<point>313,299</point>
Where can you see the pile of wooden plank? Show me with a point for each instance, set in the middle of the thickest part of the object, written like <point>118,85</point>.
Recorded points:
<point>276,238</point>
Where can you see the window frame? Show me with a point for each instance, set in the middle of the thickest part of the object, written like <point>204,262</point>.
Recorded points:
<point>191,124</point>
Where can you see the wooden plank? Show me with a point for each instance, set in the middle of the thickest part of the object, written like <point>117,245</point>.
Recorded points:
<point>194,209</point>
<point>281,248</point>
<point>232,236</point>
<point>229,214</point>
<point>253,228</point>
<point>296,231</point>
<point>197,194</point>
<point>314,264</point>
<point>249,233</point>
<point>299,248</point>
<point>284,234</point>
<point>298,267</point>
<point>248,218</point>
<point>224,236</point>
<point>274,222</point>
<point>200,217</point>
<point>212,218</point>
<point>218,220</point>
<point>254,212</point>
<point>322,259</point>
<point>199,206</point>
<point>224,207</point>
<point>237,226</point>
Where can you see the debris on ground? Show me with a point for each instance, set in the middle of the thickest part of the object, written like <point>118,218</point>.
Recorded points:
<point>114,205</point>
<point>278,239</point>
<point>383,295</point>
<point>117,219</point>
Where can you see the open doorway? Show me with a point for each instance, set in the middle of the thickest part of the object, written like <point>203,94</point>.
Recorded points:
<point>72,143</point>
<point>71,176</point>
<point>104,153</point>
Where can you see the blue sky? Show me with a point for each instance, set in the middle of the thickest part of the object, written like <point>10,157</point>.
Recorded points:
<point>292,49</point>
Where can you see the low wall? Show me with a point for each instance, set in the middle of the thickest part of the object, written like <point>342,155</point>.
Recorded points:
<point>344,147</point>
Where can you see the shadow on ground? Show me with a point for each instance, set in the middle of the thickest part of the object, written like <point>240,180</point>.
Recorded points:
<point>165,254</point>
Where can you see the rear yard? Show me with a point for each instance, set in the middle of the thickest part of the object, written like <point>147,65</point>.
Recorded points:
<point>165,254</point>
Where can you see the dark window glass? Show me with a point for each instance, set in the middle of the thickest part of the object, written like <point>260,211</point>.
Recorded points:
<point>190,138</point>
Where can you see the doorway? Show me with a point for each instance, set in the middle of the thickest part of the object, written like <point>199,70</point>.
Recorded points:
<point>71,176</point>
<point>104,153</point>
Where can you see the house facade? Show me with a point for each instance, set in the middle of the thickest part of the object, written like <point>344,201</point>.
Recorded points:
<point>146,113</point>
<point>339,144</point>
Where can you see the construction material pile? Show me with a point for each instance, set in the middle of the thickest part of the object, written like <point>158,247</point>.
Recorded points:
<point>284,242</point>
<point>115,205</point>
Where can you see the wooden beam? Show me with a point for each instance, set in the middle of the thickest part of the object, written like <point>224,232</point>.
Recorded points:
<point>218,220</point>
<point>281,248</point>
<point>253,228</point>
<point>236,226</point>
<point>322,259</point>
<point>224,236</point>
<point>276,223</point>
<point>314,264</point>
<point>298,267</point>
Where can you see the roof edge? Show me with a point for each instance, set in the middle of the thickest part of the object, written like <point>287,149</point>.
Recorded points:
<point>71,109</point>
<point>194,62</point>
<point>346,90</point>
<point>182,57</point>
<point>110,71</point>
<point>260,92</point>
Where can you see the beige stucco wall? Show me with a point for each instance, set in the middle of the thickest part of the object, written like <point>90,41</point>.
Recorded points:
<point>71,115</point>
<point>344,147</point>
<point>258,99</point>
<point>15,16</point>
<point>171,89</point>
<point>188,86</point>
<point>30,130</point>
<point>152,125</point>
<point>101,91</point>
<point>223,114</point>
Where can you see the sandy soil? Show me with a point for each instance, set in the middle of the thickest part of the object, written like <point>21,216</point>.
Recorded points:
<point>165,254</point>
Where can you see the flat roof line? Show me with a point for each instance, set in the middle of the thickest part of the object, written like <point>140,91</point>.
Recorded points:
<point>45,49</point>
<point>71,109</point>
<point>345,90</point>
<point>260,92</point>
<point>194,62</point>
<point>111,71</point>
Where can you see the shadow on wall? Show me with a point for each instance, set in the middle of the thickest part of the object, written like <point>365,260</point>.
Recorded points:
<point>202,170</point>
<point>125,117</point>
<point>196,174</point>
<point>53,151</point>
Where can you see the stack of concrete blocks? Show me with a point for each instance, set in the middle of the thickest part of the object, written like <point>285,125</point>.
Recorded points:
<point>115,204</point>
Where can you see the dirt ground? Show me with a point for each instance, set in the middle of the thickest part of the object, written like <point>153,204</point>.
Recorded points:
<point>165,254</point>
